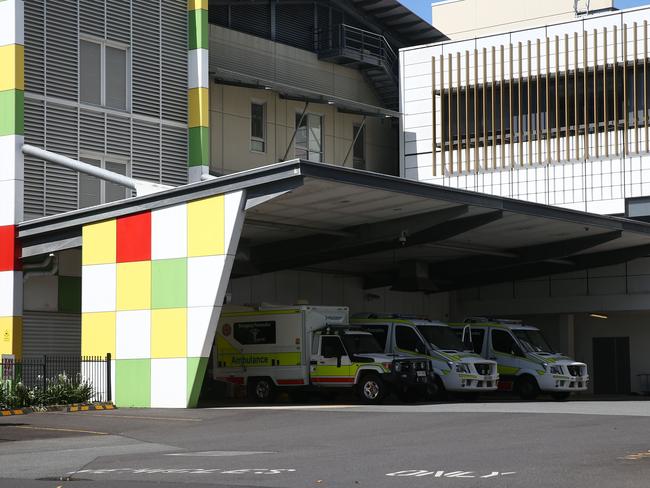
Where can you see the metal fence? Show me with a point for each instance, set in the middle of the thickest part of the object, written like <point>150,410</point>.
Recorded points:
<point>36,371</point>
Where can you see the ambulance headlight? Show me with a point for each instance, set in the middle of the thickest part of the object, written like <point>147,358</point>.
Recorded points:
<point>555,370</point>
<point>462,368</point>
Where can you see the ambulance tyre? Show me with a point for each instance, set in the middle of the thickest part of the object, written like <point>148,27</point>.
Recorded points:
<point>371,388</point>
<point>561,396</point>
<point>261,390</point>
<point>527,387</point>
<point>436,391</point>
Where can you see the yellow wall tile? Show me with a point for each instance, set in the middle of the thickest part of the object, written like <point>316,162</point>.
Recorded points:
<point>134,286</point>
<point>205,227</point>
<point>197,4</point>
<point>99,242</point>
<point>11,336</point>
<point>168,333</point>
<point>12,63</point>
<point>198,107</point>
<point>98,334</point>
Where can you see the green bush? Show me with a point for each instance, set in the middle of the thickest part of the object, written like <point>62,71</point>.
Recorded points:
<point>60,390</point>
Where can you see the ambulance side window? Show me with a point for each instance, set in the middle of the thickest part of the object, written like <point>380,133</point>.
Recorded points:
<point>380,332</point>
<point>477,340</point>
<point>254,332</point>
<point>406,338</point>
<point>331,347</point>
<point>504,343</point>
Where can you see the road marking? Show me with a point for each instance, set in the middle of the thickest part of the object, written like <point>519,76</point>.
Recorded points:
<point>417,473</point>
<point>31,427</point>
<point>254,471</point>
<point>219,453</point>
<point>636,456</point>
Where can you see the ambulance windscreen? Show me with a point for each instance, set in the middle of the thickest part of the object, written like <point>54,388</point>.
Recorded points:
<point>362,344</point>
<point>532,340</point>
<point>441,337</point>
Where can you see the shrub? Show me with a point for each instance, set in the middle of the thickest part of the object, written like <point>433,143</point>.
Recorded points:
<point>60,390</point>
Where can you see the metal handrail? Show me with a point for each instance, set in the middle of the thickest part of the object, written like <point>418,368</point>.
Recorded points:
<point>367,44</point>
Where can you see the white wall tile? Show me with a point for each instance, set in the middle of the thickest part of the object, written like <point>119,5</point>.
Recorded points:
<point>204,275</point>
<point>201,326</point>
<point>98,288</point>
<point>169,232</point>
<point>133,335</point>
<point>169,383</point>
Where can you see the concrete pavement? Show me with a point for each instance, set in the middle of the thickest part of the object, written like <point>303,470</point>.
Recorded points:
<point>500,444</point>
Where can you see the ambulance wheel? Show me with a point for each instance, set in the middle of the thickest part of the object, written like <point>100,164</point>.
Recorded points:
<point>371,389</point>
<point>527,388</point>
<point>561,396</point>
<point>261,390</point>
<point>436,391</point>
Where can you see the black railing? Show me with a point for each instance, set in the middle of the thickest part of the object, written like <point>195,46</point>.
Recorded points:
<point>366,46</point>
<point>41,371</point>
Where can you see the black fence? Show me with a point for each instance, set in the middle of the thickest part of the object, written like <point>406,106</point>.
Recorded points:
<point>37,371</point>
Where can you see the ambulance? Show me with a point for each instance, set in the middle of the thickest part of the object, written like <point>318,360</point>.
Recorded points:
<point>527,363</point>
<point>453,370</point>
<point>308,348</point>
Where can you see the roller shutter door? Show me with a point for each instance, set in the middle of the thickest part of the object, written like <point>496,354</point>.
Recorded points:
<point>51,333</point>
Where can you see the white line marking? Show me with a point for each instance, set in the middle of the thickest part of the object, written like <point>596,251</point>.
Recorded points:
<point>219,453</point>
<point>288,407</point>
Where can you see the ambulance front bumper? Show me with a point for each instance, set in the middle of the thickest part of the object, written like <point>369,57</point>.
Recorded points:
<point>564,383</point>
<point>470,382</point>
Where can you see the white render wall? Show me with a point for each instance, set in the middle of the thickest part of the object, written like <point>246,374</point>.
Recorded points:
<point>597,185</point>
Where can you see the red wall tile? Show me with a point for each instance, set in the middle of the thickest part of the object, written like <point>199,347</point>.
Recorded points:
<point>134,238</point>
<point>9,249</point>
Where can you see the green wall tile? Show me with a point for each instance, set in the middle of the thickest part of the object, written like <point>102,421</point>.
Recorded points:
<point>198,29</point>
<point>133,382</point>
<point>169,283</point>
<point>199,150</point>
<point>70,294</point>
<point>12,103</point>
<point>195,372</point>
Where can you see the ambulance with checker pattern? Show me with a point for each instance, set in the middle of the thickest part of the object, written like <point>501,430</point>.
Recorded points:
<point>306,348</point>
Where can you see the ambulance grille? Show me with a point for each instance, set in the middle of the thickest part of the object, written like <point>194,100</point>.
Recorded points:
<point>483,368</point>
<point>575,370</point>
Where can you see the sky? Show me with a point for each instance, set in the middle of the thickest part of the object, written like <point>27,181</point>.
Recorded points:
<point>423,7</point>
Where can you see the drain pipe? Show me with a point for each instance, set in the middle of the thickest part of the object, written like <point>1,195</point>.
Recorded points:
<point>140,187</point>
<point>49,267</point>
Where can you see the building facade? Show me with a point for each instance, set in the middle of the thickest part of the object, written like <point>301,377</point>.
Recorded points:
<point>555,114</point>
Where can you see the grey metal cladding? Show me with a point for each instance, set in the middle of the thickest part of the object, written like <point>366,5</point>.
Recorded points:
<point>146,60</point>
<point>61,58</point>
<point>174,60</point>
<point>91,131</point>
<point>118,20</point>
<point>91,17</point>
<point>61,136</point>
<point>146,164</point>
<point>51,333</point>
<point>34,203</point>
<point>118,135</point>
<point>35,46</point>
<point>174,155</point>
<point>252,19</point>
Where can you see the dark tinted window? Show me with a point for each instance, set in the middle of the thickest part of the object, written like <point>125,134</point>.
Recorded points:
<point>503,342</point>
<point>477,340</point>
<point>380,332</point>
<point>254,332</point>
<point>331,347</point>
<point>406,338</point>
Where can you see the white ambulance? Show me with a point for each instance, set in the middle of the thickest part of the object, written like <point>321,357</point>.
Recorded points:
<point>454,370</point>
<point>527,363</point>
<point>302,348</point>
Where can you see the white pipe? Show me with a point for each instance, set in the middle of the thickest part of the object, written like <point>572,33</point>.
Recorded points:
<point>140,187</point>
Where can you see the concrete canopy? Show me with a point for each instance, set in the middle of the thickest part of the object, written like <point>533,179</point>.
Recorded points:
<point>155,268</point>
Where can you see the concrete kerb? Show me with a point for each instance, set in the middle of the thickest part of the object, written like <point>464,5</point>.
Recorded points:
<point>74,407</point>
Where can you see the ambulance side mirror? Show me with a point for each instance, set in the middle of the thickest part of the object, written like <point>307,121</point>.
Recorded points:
<point>467,338</point>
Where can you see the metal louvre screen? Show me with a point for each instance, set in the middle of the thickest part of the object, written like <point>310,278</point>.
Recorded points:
<point>51,333</point>
<point>295,25</point>
<point>252,19</point>
<point>156,35</point>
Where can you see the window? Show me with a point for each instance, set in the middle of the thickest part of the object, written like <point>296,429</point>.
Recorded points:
<point>309,137</point>
<point>93,191</point>
<point>406,338</point>
<point>254,332</point>
<point>380,332</point>
<point>359,149</point>
<point>258,127</point>
<point>103,74</point>
<point>477,340</point>
<point>332,347</point>
<point>503,342</point>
